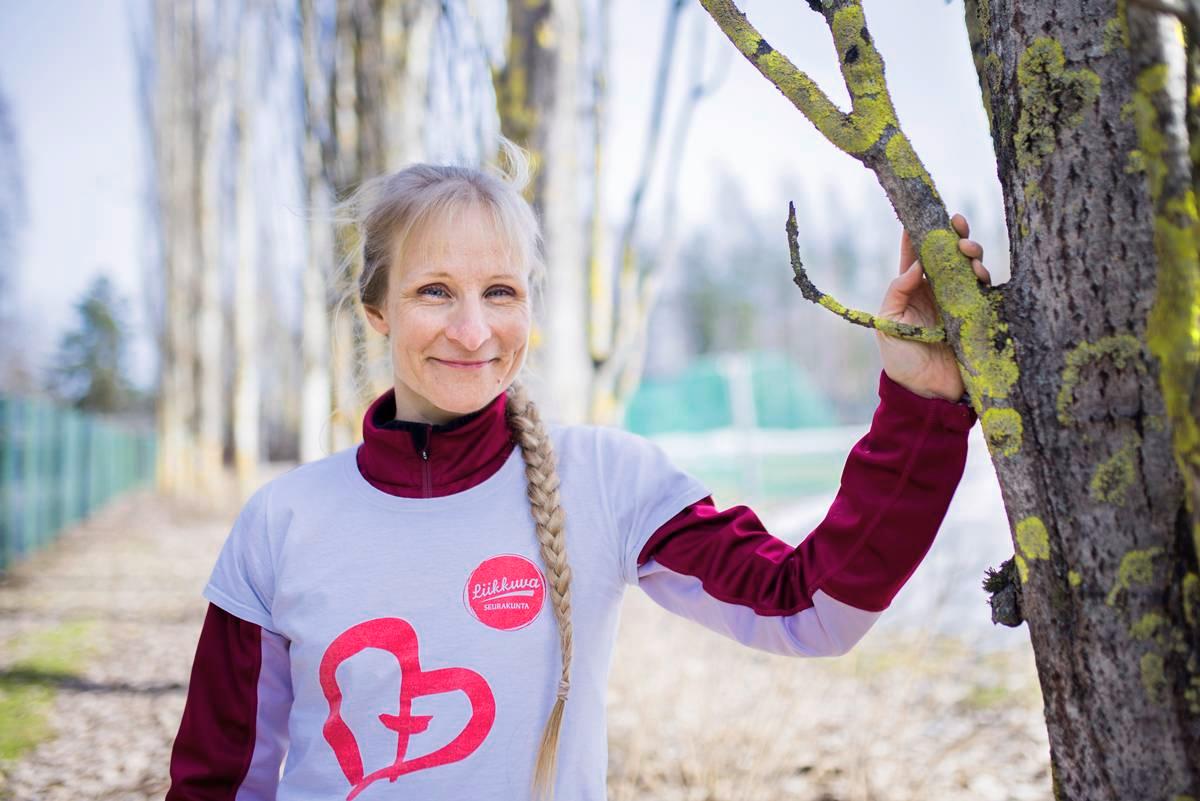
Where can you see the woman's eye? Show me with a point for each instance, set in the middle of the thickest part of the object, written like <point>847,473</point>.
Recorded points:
<point>432,291</point>
<point>501,291</point>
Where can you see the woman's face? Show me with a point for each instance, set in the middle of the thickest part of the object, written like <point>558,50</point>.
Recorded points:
<point>458,317</point>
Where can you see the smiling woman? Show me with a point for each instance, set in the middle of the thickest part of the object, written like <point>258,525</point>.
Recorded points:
<point>404,609</point>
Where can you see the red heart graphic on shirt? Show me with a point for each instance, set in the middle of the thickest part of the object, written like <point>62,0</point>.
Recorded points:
<point>397,637</point>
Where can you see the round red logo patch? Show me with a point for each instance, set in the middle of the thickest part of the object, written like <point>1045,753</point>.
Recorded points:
<point>505,592</point>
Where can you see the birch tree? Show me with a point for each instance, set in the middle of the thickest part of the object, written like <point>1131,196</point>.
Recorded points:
<point>377,111</point>
<point>247,394</point>
<point>175,141</point>
<point>319,163</point>
<point>214,83</point>
<point>537,94</point>
<point>1083,367</point>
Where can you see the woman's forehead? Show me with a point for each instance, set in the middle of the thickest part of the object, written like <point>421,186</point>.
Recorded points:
<point>465,240</point>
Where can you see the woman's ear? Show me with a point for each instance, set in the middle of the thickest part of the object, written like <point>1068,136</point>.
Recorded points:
<point>376,319</point>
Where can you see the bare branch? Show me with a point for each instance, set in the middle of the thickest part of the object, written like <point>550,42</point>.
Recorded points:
<point>626,300</point>
<point>620,372</point>
<point>795,85</point>
<point>890,327</point>
<point>971,313</point>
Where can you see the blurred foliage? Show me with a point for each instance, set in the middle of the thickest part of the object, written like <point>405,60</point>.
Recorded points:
<point>89,371</point>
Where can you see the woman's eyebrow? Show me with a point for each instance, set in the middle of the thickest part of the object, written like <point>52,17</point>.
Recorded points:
<point>444,274</point>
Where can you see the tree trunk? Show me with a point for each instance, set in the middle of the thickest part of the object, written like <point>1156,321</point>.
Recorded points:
<point>407,29</point>
<point>316,386</point>
<point>600,297</point>
<point>164,119</point>
<point>378,110</point>
<point>376,38</point>
<point>215,81</point>
<point>347,326</point>
<point>246,390</point>
<point>1104,538</point>
<point>1083,367</point>
<point>176,129</point>
<point>538,98</point>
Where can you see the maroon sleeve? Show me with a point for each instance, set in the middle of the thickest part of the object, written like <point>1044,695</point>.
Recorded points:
<point>896,487</point>
<point>215,745</point>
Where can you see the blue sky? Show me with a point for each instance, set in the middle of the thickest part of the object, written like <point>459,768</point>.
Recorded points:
<point>68,72</point>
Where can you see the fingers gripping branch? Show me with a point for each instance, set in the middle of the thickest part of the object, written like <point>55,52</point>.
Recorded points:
<point>900,330</point>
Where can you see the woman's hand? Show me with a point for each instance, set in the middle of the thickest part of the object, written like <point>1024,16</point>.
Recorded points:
<point>927,368</point>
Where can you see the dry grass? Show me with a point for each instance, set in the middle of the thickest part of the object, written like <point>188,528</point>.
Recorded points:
<point>693,715</point>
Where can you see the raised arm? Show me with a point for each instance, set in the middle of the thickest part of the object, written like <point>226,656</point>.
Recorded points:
<point>233,734</point>
<point>725,571</point>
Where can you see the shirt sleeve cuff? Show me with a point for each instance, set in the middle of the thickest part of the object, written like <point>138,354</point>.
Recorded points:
<point>898,400</point>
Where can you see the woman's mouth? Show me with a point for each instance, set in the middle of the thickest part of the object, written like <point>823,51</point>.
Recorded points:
<point>461,365</point>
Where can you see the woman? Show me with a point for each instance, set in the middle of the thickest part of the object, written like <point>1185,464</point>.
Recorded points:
<point>407,609</point>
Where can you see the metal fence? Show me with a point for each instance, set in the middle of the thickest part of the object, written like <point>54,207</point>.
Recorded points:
<point>56,466</point>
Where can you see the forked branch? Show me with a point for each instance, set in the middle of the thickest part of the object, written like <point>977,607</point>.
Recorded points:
<point>865,319</point>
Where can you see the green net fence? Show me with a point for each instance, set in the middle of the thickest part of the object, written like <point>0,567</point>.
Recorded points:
<point>757,389</point>
<point>750,425</point>
<point>56,466</point>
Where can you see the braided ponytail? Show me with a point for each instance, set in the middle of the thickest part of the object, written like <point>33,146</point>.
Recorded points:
<point>541,478</point>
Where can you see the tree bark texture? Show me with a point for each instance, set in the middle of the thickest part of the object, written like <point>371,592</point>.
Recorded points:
<point>1092,156</point>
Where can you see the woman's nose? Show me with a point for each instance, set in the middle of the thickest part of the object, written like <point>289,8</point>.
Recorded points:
<point>468,326</point>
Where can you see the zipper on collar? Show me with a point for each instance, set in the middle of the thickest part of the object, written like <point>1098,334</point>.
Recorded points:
<point>427,478</point>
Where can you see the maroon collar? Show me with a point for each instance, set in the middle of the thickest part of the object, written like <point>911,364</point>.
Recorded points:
<point>424,460</point>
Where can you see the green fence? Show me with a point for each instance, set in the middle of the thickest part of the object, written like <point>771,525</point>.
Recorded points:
<point>56,466</point>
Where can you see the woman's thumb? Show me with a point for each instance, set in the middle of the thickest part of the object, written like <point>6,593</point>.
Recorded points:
<point>910,277</point>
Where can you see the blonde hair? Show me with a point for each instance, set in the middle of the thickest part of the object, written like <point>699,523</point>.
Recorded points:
<point>384,214</point>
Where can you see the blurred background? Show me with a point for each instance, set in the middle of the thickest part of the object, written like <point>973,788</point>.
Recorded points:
<point>168,343</point>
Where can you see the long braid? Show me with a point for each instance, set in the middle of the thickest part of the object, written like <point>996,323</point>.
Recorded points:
<point>541,477</point>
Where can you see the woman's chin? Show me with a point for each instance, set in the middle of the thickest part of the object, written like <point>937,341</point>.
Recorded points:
<point>469,400</point>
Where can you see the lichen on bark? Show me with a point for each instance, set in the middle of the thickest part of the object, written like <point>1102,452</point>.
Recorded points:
<point>1115,475</point>
<point>1137,567</point>
<point>1116,29</point>
<point>1053,99</point>
<point>1034,543</point>
<point>1173,324</point>
<point>905,162</point>
<point>1122,349</point>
